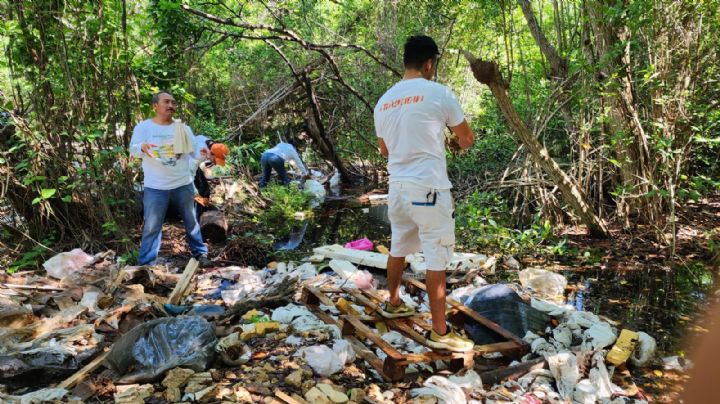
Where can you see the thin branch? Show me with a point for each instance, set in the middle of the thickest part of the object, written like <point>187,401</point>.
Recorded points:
<point>289,35</point>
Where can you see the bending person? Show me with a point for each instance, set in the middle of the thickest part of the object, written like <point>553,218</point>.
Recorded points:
<point>276,157</point>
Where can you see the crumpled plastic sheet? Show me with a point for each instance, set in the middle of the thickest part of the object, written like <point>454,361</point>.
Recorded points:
<point>35,397</point>
<point>302,320</point>
<point>443,389</point>
<point>598,336</point>
<point>152,348</point>
<point>323,360</point>
<point>644,351</point>
<point>564,368</point>
<point>63,264</point>
<point>546,284</point>
<point>248,281</point>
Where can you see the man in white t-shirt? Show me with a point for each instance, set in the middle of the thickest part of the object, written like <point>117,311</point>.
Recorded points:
<point>167,177</point>
<point>410,120</point>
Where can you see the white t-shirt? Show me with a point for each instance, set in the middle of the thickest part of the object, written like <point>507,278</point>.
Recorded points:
<point>289,153</point>
<point>165,170</point>
<point>411,117</point>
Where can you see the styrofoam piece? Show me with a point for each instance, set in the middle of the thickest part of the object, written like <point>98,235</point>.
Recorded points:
<point>460,261</point>
<point>345,269</point>
<point>367,258</point>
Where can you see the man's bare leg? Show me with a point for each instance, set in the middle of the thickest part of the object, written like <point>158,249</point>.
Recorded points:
<point>395,267</point>
<point>436,294</point>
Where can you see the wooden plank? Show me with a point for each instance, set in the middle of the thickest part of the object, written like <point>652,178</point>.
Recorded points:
<point>473,315</point>
<point>31,287</point>
<point>360,349</point>
<point>182,285</point>
<point>512,372</point>
<point>321,296</point>
<point>369,356</point>
<point>362,300</point>
<point>81,374</point>
<point>285,398</point>
<point>369,334</point>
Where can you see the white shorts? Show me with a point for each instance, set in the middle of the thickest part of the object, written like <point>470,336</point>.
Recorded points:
<point>418,224</point>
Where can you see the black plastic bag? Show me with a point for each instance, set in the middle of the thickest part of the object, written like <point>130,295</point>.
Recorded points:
<point>502,305</point>
<point>150,349</point>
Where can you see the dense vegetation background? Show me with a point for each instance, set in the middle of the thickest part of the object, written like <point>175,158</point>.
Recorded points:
<point>617,99</point>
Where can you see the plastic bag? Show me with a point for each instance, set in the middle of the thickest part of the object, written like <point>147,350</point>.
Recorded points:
<point>443,389</point>
<point>644,351</point>
<point>152,348</point>
<point>363,244</point>
<point>502,305</point>
<point>65,263</point>
<point>545,284</point>
<point>323,360</point>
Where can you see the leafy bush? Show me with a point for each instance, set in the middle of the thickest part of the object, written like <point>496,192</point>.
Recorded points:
<point>285,201</point>
<point>488,158</point>
<point>482,222</point>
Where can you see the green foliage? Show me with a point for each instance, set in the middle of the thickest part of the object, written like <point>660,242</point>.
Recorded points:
<point>284,202</point>
<point>488,158</point>
<point>249,153</point>
<point>32,258</point>
<point>482,221</point>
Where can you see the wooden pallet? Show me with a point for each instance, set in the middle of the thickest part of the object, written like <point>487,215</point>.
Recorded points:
<point>355,327</point>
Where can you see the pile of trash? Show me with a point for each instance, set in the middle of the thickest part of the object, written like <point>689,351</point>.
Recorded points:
<point>96,329</point>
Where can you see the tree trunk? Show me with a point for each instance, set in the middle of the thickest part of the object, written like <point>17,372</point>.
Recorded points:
<point>488,73</point>
<point>317,131</point>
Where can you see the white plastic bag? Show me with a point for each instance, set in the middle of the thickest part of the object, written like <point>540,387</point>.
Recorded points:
<point>446,391</point>
<point>344,351</point>
<point>323,360</point>
<point>65,263</point>
<point>644,351</point>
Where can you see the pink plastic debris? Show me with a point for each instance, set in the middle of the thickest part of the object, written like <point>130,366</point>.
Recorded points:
<point>363,245</point>
<point>65,263</point>
<point>364,280</point>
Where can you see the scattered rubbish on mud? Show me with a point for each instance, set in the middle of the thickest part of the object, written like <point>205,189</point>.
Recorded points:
<point>308,330</point>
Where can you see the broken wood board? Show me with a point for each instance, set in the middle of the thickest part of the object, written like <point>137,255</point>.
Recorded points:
<point>81,374</point>
<point>31,287</point>
<point>368,258</point>
<point>394,365</point>
<point>182,285</point>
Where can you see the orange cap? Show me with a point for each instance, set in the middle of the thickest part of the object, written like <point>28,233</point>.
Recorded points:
<point>219,151</point>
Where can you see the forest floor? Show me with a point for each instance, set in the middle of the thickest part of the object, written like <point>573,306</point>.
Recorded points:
<point>628,278</point>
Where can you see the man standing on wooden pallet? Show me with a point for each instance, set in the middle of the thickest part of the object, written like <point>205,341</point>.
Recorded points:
<point>410,121</point>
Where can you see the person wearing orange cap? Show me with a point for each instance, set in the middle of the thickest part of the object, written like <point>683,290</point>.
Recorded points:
<point>214,153</point>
